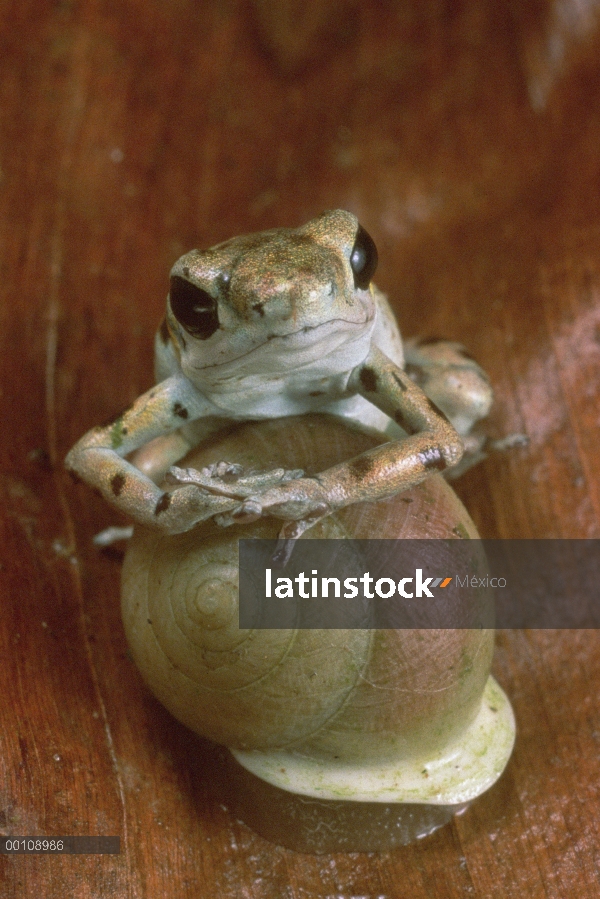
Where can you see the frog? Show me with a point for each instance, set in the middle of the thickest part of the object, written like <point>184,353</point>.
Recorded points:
<point>273,324</point>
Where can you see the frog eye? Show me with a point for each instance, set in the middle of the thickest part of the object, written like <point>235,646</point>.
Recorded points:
<point>363,259</point>
<point>193,308</point>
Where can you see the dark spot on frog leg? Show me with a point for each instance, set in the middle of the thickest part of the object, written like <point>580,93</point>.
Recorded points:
<point>117,482</point>
<point>186,271</point>
<point>164,332</point>
<point>432,459</point>
<point>368,379</point>
<point>400,420</point>
<point>180,410</point>
<point>361,466</point>
<point>258,307</point>
<point>163,504</point>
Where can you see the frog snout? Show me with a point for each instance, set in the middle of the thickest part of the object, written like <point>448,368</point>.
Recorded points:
<point>261,301</point>
<point>302,304</point>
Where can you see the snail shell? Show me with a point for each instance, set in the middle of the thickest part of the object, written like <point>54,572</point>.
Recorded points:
<point>352,695</point>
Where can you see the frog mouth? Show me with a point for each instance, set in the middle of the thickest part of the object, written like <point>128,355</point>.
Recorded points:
<point>297,349</point>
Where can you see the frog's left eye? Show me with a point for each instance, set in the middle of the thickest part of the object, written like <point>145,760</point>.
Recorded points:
<point>363,259</point>
<point>193,308</point>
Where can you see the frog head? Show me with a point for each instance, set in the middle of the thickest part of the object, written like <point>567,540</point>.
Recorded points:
<point>286,293</point>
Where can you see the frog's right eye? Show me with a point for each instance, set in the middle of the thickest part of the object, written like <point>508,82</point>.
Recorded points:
<point>193,308</point>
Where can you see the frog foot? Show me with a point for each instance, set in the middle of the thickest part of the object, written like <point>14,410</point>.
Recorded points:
<point>232,480</point>
<point>299,503</point>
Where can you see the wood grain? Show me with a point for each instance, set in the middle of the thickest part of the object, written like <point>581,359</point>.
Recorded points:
<point>133,131</point>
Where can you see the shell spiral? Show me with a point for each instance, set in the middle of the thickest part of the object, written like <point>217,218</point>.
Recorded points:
<point>344,694</point>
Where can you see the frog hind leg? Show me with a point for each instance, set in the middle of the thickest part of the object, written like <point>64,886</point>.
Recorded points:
<point>458,386</point>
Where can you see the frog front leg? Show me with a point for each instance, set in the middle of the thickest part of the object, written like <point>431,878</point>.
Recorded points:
<point>99,459</point>
<point>432,445</point>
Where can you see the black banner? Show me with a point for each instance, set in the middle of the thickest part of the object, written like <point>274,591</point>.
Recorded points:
<point>420,584</point>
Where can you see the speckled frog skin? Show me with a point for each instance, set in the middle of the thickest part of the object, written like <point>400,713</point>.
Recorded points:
<point>278,323</point>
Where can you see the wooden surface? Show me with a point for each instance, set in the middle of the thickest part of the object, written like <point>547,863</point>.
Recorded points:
<point>466,137</point>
